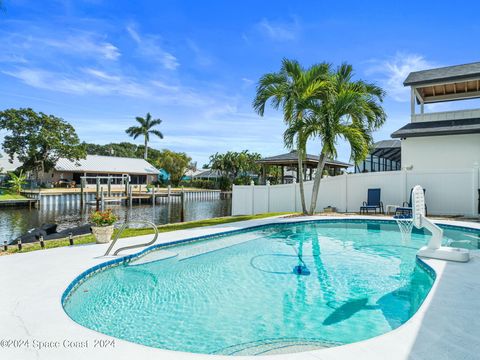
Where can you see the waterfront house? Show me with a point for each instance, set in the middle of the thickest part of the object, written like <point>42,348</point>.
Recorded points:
<point>69,172</point>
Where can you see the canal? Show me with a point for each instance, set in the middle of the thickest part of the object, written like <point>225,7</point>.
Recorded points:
<point>17,221</point>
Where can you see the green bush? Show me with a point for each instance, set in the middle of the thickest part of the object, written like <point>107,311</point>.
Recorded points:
<point>224,183</point>
<point>243,180</point>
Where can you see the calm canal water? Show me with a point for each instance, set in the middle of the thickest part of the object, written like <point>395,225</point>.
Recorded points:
<point>16,221</point>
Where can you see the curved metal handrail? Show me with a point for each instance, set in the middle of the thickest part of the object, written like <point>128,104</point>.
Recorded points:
<point>122,229</point>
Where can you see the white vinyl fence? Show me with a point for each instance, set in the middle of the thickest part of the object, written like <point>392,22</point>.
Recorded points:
<point>449,192</point>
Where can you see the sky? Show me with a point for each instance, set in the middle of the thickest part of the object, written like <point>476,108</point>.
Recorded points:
<point>195,64</point>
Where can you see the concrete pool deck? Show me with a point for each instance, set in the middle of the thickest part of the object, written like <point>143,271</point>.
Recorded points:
<point>33,324</point>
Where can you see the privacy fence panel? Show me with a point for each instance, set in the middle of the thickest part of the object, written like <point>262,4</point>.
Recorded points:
<point>449,192</point>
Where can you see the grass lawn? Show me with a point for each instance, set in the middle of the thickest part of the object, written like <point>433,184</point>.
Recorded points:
<point>142,231</point>
<point>8,195</point>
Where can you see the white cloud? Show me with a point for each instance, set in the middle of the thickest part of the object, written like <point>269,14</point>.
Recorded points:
<point>393,71</point>
<point>279,31</point>
<point>101,75</point>
<point>75,84</point>
<point>149,48</point>
<point>34,42</point>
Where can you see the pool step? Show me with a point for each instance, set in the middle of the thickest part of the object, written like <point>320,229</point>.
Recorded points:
<point>272,347</point>
<point>156,255</point>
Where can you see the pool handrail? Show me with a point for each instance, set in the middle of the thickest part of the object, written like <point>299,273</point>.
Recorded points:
<point>122,229</point>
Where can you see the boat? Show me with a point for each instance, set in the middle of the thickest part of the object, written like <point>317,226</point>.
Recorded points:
<point>49,232</point>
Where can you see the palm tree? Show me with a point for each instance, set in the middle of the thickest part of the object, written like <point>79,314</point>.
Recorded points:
<point>145,128</point>
<point>351,110</point>
<point>295,90</point>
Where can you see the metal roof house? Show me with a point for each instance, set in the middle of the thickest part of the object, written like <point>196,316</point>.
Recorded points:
<point>139,170</point>
<point>435,140</point>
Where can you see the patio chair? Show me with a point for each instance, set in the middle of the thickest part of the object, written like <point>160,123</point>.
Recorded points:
<point>406,208</point>
<point>373,202</point>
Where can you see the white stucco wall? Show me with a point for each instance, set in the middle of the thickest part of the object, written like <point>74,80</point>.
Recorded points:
<point>441,152</point>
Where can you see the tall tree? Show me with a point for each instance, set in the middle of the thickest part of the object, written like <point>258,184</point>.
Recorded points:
<point>234,164</point>
<point>145,129</point>
<point>351,110</point>
<point>295,90</point>
<point>174,163</point>
<point>39,140</point>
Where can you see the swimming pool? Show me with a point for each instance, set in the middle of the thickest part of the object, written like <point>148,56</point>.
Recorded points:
<point>239,293</point>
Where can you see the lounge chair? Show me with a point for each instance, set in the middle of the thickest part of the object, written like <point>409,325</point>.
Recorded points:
<point>373,202</point>
<point>406,208</point>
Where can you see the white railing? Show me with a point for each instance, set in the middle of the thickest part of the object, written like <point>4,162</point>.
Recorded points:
<point>447,115</point>
<point>448,192</point>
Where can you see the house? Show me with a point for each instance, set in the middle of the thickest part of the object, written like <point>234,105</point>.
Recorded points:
<point>139,170</point>
<point>386,155</point>
<point>442,140</point>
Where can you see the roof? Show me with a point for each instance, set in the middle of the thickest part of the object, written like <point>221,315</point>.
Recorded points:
<point>208,173</point>
<point>6,165</point>
<point>107,164</point>
<point>292,158</point>
<point>444,127</point>
<point>387,149</point>
<point>448,73</point>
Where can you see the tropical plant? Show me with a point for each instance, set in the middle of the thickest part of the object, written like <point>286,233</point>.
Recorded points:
<point>16,182</point>
<point>350,111</point>
<point>295,91</point>
<point>174,163</point>
<point>233,164</point>
<point>103,218</point>
<point>145,129</point>
<point>39,140</point>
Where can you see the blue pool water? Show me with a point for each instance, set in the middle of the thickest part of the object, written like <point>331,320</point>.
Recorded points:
<point>239,294</point>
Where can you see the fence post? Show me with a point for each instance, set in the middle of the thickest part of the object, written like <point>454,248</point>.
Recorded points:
<point>475,190</point>
<point>404,186</point>
<point>346,192</point>
<point>295,196</point>
<point>267,183</point>
<point>233,211</point>
<point>252,185</point>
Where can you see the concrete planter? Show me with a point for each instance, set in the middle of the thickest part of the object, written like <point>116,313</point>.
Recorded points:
<point>103,234</point>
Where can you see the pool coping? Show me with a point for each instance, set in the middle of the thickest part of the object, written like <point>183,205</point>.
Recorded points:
<point>18,312</point>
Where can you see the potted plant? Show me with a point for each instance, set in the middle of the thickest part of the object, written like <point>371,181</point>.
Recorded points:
<point>103,225</point>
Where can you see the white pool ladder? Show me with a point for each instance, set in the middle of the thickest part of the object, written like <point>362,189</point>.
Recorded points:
<point>434,248</point>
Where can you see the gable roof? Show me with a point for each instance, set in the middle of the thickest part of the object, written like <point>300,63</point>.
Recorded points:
<point>433,128</point>
<point>447,74</point>
<point>107,164</point>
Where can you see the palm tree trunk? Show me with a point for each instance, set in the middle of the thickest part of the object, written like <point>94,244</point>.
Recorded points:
<point>316,182</point>
<point>145,155</point>
<point>300,180</point>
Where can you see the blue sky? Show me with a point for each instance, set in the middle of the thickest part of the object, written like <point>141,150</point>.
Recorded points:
<point>194,64</point>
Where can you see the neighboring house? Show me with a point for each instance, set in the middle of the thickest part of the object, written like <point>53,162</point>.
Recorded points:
<point>386,155</point>
<point>202,174</point>
<point>446,140</point>
<point>139,170</point>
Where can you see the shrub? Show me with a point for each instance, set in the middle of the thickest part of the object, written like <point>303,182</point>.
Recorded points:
<point>224,183</point>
